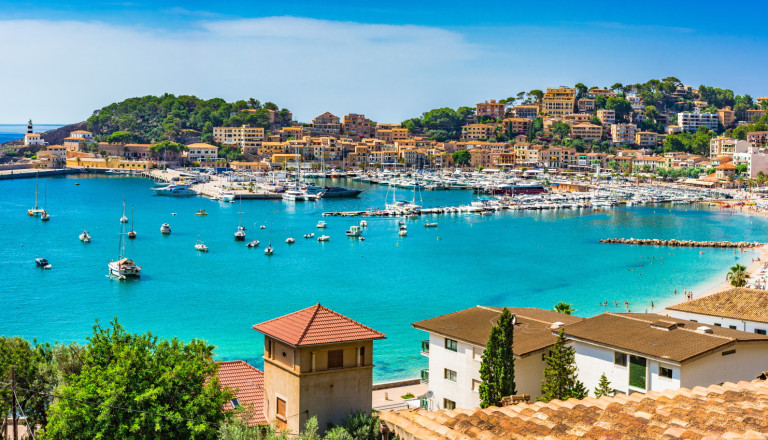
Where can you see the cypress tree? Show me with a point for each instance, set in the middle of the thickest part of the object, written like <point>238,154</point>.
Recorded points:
<point>497,370</point>
<point>560,380</point>
<point>603,387</point>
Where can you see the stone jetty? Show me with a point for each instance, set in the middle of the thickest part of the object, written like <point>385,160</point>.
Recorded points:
<point>682,243</point>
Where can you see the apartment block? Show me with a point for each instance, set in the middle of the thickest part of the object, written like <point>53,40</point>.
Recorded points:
<point>245,137</point>
<point>478,132</point>
<point>726,116</point>
<point>646,139</point>
<point>356,125</point>
<point>586,131</point>
<point>586,105</point>
<point>757,137</point>
<point>607,117</point>
<point>327,123</point>
<point>559,101</point>
<point>691,121</point>
<point>623,133</point>
<point>516,125</point>
<point>491,109</point>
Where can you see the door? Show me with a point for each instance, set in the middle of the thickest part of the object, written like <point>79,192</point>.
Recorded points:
<point>638,371</point>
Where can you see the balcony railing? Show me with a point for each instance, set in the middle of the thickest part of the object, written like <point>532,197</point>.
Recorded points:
<point>425,375</point>
<point>425,348</point>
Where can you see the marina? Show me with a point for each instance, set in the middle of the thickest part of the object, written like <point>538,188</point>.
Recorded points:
<point>538,259</point>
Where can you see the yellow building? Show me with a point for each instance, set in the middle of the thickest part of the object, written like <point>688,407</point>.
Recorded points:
<point>283,158</point>
<point>250,166</point>
<point>586,131</point>
<point>110,162</point>
<point>478,131</point>
<point>559,102</point>
<point>645,139</point>
<point>245,137</point>
<point>316,363</point>
<point>516,125</point>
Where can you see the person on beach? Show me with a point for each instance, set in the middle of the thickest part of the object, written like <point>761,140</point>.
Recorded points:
<point>651,305</point>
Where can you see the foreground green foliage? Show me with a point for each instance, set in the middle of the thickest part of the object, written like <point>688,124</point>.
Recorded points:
<point>738,275</point>
<point>357,426</point>
<point>560,379</point>
<point>139,387</point>
<point>440,124</point>
<point>564,308</point>
<point>497,370</point>
<point>603,387</point>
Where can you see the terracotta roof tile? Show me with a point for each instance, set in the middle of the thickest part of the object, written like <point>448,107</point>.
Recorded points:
<point>247,382</point>
<point>473,325</point>
<point>316,325</point>
<point>708,413</point>
<point>737,303</point>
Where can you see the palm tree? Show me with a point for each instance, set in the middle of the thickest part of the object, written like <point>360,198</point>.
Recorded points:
<point>564,308</point>
<point>738,275</point>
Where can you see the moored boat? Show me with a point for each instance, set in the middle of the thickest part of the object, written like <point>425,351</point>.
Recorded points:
<point>323,238</point>
<point>253,243</point>
<point>165,228</point>
<point>85,237</point>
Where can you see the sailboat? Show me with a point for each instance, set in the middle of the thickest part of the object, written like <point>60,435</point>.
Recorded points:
<point>123,219</point>
<point>240,233</point>
<point>85,237</point>
<point>200,246</point>
<point>36,210</point>
<point>132,232</point>
<point>269,250</point>
<point>123,267</point>
<point>45,216</point>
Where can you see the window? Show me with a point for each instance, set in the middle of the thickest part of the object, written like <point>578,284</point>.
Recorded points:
<point>718,325</point>
<point>449,404</point>
<point>760,331</point>
<point>476,384</point>
<point>282,421</point>
<point>449,375</point>
<point>235,402</point>
<point>452,345</point>
<point>620,359</point>
<point>335,358</point>
<point>732,326</point>
<point>665,372</point>
<point>362,356</point>
<point>727,352</point>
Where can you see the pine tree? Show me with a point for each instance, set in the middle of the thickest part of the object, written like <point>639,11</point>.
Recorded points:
<point>560,380</point>
<point>497,370</point>
<point>603,387</point>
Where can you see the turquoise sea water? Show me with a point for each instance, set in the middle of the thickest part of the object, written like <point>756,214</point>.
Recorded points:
<point>386,282</point>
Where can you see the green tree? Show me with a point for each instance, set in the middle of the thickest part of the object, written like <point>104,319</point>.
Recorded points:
<point>362,425</point>
<point>564,308</point>
<point>270,106</point>
<point>621,106</point>
<point>497,370</point>
<point>561,129</point>
<point>140,387</point>
<point>120,137</point>
<point>738,275</point>
<point>537,94</point>
<point>603,387</point>
<point>560,378</point>
<point>461,157</point>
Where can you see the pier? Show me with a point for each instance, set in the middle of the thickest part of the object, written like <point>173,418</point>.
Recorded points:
<point>682,243</point>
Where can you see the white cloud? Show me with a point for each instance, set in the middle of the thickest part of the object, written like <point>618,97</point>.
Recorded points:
<point>64,70</point>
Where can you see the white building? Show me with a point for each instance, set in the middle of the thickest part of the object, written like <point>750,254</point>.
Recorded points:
<point>623,133</point>
<point>691,121</point>
<point>456,344</point>
<point>34,139</point>
<point>81,134</point>
<point>202,152</point>
<point>737,308</point>
<point>648,352</point>
<point>755,159</point>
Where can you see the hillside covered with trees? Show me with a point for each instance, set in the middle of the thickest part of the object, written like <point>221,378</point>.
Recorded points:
<point>152,119</point>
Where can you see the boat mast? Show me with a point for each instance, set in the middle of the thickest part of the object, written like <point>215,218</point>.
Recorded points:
<point>37,178</point>
<point>131,218</point>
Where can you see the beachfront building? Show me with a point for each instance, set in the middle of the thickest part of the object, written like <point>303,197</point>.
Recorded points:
<point>691,121</point>
<point>246,138</point>
<point>327,123</point>
<point>200,152</point>
<point>648,352</point>
<point>737,308</point>
<point>316,363</point>
<point>623,133</point>
<point>559,101</point>
<point>455,348</point>
<point>490,109</point>
<point>607,117</point>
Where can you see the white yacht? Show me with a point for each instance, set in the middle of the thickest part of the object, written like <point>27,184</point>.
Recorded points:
<point>297,195</point>
<point>310,235</point>
<point>430,225</point>
<point>363,223</point>
<point>226,196</point>
<point>322,224</point>
<point>240,233</point>
<point>174,191</point>
<point>165,228</point>
<point>200,246</point>
<point>403,232</point>
<point>354,231</point>
<point>84,237</point>
<point>123,267</point>
<point>290,240</point>
<point>323,238</point>
<point>253,243</point>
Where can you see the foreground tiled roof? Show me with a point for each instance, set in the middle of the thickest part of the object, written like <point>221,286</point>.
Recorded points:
<point>532,332</point>
<point>316,325</point>
<point>729,411</point>
<point>737,303</point>
<point>247,383</point>
<point>645,334</point>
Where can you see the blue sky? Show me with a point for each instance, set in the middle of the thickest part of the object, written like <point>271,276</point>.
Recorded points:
<point>389,60</point>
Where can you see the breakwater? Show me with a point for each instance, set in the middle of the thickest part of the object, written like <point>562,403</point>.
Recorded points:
<point>682,243</point>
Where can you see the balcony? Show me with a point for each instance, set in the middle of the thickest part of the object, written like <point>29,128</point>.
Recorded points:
<point>425,375</point>
<point>425,347</point>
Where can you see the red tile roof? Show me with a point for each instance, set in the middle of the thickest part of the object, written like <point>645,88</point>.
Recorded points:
<point>247,383</point>
<point>316,325</point>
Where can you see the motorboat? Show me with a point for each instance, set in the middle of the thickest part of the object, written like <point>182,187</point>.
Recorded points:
<point>252,244</point>
<point>165,228</point>
<point>201,212</point>
<point>354,231</point>
<point>403,232</point>
<point>174,190</point>
<point>322,224</point>
<point>226,196</point>
<point>262,227</point>
<point>430,225</point>
<point>363,223</point>
<point>339,192</point>
<point>297,195</point>
<point>200,246</point>
<point>310,235</point>
<point>84,237</point>
<point>403,227</point>
<point>323,238</point>
<point>41,262</point>
<point>269,250</point>
<point>45,216</point>
<point>290,240</point>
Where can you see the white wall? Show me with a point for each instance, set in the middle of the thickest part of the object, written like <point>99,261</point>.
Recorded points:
<point>749,361</point>
<point>746,326</point>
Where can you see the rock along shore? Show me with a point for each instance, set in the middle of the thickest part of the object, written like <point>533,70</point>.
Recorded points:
<point>682,243</point>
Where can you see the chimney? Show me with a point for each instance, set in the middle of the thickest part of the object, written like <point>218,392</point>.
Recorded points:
<point>704,330</point>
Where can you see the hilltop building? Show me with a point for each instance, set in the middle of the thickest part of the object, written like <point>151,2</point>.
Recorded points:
<point>559,102</point>
<point>490,109</point>
<point>327,123</point>
<point>691,121</point>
